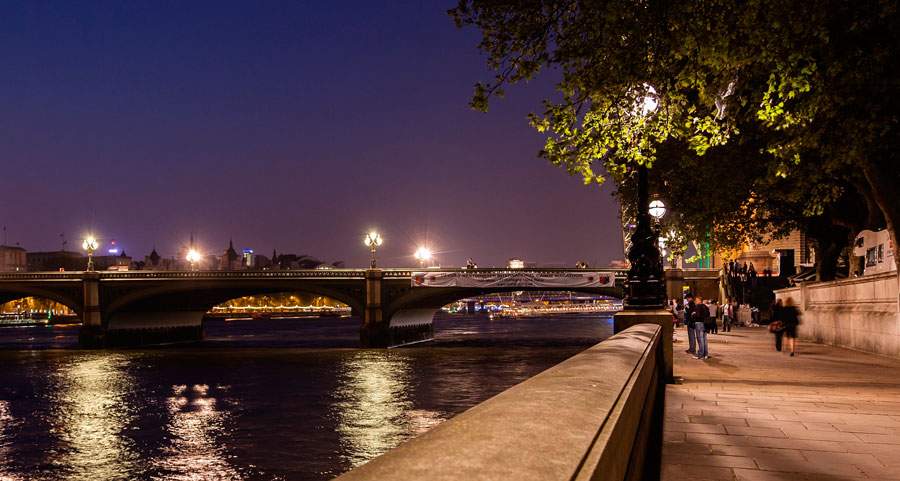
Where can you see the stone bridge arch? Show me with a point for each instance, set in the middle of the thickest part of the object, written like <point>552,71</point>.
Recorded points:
<point>69,296</point>
<point>407,312</point>
<point>174,309</point>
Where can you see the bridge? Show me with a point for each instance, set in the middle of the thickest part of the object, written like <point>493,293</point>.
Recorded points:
<point>396,306</point>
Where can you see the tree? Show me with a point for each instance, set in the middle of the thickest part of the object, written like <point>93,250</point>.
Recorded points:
<point>796,100</point>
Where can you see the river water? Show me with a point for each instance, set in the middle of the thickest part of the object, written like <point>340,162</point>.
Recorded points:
<point>290,399</point>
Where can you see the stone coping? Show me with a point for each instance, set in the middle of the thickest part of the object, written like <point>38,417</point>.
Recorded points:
<point>567,422</point>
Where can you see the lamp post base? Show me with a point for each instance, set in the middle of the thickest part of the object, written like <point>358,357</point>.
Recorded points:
<point>629,317</point>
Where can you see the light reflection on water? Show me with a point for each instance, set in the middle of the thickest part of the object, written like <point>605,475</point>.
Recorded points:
<point>194,424</point>
<point>7,422</point>
<point>91,413</point>
<point>237,408</point>
<point>373,405</point>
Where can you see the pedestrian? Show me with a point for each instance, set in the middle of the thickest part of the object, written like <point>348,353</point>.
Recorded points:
<point>679,314</point>
<point>713,314</point>
<point>701,318</point>
<point>776,326</point>
<point>791,318</point>
<point>689,323</point>
<point>728,315</point>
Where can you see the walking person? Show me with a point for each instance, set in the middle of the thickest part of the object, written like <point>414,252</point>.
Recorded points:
<point>713,314</point>
<point>727,315</point>
<point>689,323</point>
<point>701,318</point>
<point>776,326</point>
<point>791,319</point>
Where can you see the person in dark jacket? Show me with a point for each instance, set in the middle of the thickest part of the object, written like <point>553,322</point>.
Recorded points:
<point>776,325</point>
<point>689,323</point>
<point>790,317</point>
<point>701,318</point>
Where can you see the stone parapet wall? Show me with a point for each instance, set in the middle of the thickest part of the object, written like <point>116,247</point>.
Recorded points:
<point>596,415</point>
<point>860,313</point>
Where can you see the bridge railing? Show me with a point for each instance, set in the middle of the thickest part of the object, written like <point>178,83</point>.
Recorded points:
<point>391,273</point>
<point>405,273</point>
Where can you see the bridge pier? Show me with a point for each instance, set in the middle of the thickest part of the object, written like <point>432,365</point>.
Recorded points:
<point>374,332</point>
<point>92,331</point>
<point>402,327</point>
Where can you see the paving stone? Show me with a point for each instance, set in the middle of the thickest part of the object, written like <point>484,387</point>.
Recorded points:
<point>829,414</point>
<point>696,428</point>
<point>748,431</point>
<point>715,460</point>
<point>803,433</point>
<point>688,472</point>
<point>759,475</point>
<point>857,459</point>
<point>719,420</point>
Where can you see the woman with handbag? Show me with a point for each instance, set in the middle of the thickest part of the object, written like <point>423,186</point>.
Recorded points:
<point>777,325</point>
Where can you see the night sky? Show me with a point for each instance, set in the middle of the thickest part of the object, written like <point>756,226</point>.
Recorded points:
<point>281,125</point>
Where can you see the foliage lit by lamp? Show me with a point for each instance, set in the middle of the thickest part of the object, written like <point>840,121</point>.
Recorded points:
<point>90,244</point>
<point>373,240</point>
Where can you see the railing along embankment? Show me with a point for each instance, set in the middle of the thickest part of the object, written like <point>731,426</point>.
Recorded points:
<point>597,415</point>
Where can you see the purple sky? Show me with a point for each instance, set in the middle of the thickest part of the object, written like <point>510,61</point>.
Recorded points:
<point>281,125</point>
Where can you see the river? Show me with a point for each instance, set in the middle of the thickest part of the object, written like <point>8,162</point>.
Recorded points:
<point>290,399</point>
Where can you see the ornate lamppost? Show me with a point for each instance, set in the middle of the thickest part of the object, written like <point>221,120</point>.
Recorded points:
<point>645,285</point>
<point>90,244</point>
<point>373,241</point>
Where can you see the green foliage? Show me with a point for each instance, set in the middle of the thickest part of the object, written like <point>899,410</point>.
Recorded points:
<point>775,113</point>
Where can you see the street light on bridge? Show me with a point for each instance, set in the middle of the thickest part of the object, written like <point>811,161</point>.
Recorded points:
<point>423,255</point>
<point>90,244</point>
<point>373,241</point>
<point>193,257</point>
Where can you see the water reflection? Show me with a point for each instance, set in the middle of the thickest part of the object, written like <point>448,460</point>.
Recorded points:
<point>6,423</point>
<point>194,424</point>
<point>373,406</point>
<point>92,413</point>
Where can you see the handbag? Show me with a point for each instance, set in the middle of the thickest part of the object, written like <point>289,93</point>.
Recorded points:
<point>776,326</point>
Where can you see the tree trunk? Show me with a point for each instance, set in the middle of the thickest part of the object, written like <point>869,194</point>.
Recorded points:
<point>884,179</point>
<point>827,254</point>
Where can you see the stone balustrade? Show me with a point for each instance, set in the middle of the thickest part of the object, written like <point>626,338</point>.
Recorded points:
<point>597,415</point>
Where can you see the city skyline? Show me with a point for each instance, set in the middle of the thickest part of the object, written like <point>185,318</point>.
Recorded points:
<point>291,127</point>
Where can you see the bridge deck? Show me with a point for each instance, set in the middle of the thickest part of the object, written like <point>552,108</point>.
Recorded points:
<point>751,413</point>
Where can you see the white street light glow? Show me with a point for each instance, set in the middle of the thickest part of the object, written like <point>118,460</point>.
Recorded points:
<point>423,253</point>
<point>657,209</point>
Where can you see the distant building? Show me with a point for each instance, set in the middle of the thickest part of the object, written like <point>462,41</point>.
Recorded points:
<point>121,262</point>
<point>230,261</point>
<point>779,256</point>
<point>55,261</point>
<point>12,259</point>
<point>516,263</point>
<point>153,261</point>
<point>247,259</point>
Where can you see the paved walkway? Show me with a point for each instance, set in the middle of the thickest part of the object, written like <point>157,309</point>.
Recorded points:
<point>751,413</point>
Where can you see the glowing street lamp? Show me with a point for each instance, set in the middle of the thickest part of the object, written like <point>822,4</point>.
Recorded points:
<point>373,241</point>
<point>193,257</point>
<point>657,209</point>
<point>645,286</point>
<point>423,255</point>
<point>90,244</point>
